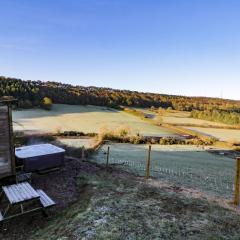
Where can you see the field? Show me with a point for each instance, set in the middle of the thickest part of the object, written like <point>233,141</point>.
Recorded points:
<point>76,142</point>
<point>208,128</point>
<point>189,166</point>
<point>228,135</point>
<point>86,119</point>
<point>180,118</point>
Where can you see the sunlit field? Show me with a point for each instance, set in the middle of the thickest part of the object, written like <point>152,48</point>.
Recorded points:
<point>229,135</point>
<point>87,119</point>
<point>184,118</point>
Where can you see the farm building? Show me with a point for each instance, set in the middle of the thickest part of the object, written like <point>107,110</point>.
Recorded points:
<point>7,161</point>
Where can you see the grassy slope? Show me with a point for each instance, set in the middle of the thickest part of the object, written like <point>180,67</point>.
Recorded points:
<point>82,118</point>
<point>119,206</point>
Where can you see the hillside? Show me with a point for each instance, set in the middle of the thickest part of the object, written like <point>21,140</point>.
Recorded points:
<point>30,93</point>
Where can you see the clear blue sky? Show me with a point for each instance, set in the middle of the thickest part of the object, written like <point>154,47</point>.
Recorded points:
<point>187,47</point>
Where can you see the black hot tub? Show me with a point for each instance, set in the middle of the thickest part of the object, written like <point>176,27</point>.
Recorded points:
<point>39,157</point>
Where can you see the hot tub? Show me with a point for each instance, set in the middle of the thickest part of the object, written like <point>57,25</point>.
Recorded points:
<point>39,157</point>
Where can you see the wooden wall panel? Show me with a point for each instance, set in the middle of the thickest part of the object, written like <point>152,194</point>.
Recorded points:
<point>5,143</point>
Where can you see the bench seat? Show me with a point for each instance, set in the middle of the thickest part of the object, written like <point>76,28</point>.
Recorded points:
<point>45,200</point>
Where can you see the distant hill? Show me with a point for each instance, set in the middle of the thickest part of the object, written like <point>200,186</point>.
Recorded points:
<point>30,94</point>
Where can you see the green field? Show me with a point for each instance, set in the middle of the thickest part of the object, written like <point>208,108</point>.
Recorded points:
<point>86,119</point>
<point>189,166</point>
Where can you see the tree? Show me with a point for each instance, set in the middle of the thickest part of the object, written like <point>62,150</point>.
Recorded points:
<point>47,103</point>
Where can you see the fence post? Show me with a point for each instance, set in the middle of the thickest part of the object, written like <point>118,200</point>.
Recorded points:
<point>237,178</point>
<point>83,152</point>
<point>148,162</point>
<point>108,150</point>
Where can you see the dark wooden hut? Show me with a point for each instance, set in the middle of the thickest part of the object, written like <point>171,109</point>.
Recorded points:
<point>7,159</point>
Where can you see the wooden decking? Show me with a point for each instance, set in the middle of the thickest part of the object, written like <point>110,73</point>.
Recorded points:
<point>5,143</point>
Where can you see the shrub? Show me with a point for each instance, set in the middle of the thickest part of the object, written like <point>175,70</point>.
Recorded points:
<point>122,131</point>
<point>47,103</point>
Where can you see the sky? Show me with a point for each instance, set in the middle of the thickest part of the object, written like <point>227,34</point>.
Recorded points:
<point>183,47</point>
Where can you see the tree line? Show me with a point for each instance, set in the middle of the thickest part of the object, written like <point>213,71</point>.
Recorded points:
<point>31,93</point>
<point>222,116</point>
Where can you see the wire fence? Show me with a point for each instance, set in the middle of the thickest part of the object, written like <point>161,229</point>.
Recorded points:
<point>190,167</point>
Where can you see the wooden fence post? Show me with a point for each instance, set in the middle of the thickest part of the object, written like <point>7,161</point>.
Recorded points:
<point>237,179</point>
<point>83,153</point>
<point>148,162</point>
<point>108,150</point>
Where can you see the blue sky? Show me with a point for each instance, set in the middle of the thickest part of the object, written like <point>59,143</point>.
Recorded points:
<point>187,47</point>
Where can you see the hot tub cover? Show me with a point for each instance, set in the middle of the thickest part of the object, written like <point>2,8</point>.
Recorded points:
<point>37,150</point>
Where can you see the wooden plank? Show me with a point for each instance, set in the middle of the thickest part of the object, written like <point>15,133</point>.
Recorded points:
<point>26,190</point>
<point>21,194</point>
<point>9,195</point>
<point>5,142</point>
<point>45,199</point>
<point>30,190</point>
<point>14,195</point>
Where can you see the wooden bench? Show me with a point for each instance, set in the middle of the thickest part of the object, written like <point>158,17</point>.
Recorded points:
<point>45,200</point>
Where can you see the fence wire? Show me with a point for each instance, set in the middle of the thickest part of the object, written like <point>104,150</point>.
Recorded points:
<point>187,166</point>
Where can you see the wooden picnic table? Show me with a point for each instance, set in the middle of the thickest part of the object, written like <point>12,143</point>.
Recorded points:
<point>21,193</point>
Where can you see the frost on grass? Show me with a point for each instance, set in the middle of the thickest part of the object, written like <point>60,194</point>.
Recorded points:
<point>122,207</point>
<point>189,166</point>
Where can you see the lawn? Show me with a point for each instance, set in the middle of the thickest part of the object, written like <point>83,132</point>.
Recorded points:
<point>189,166</point>
<point>86,119</point>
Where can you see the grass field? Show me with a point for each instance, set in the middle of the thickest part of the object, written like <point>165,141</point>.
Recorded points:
<point>228,135</point>
<point>87,119</point>
<point>188,166</point>
<point>184,118</point>
<point>76,142</point>
<point>181,118</point>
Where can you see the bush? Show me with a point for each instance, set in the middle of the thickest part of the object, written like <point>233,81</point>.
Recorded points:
<point>47,103</point>
<point>74,134</point>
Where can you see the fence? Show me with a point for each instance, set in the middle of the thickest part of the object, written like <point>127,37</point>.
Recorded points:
<point>187,166</point>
